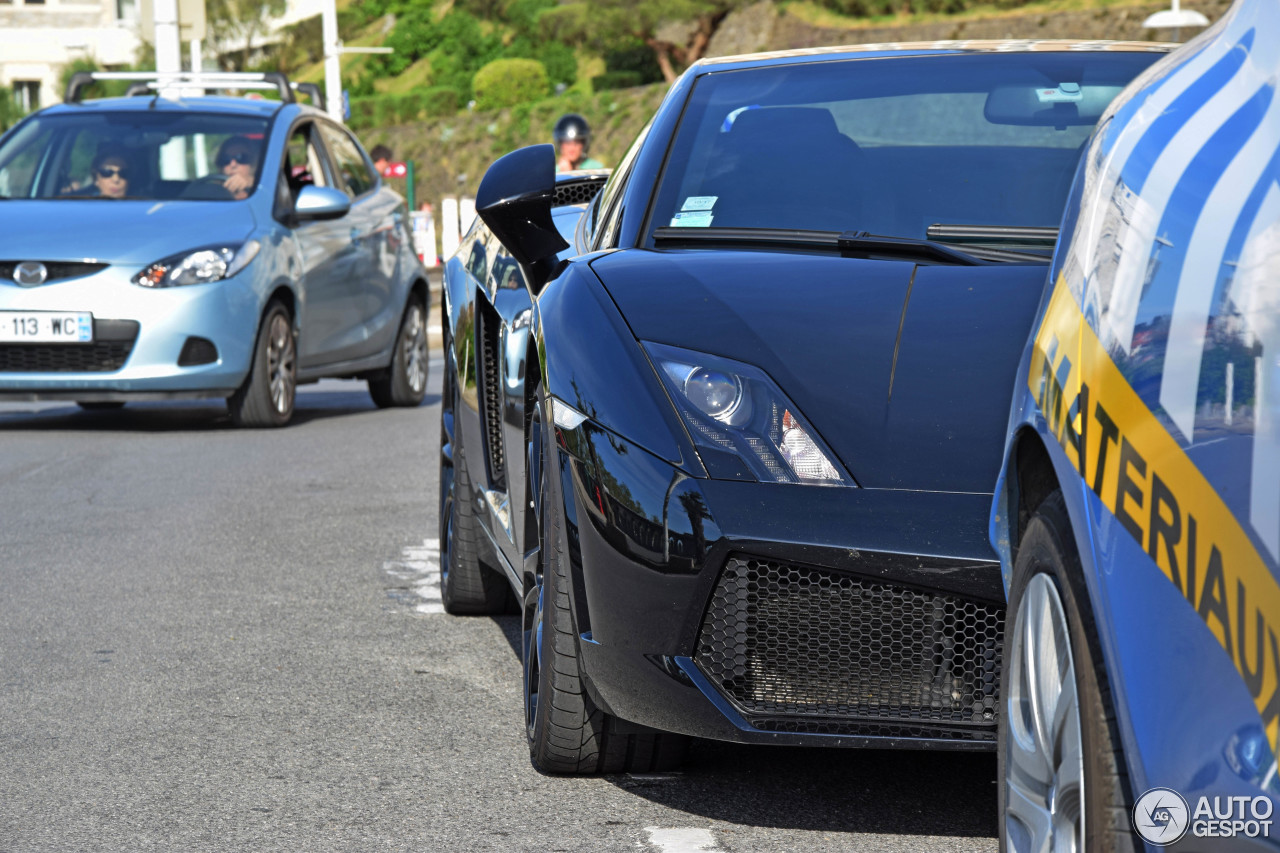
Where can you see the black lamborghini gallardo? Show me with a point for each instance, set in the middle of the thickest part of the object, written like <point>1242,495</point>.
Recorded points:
<point>725,428</point>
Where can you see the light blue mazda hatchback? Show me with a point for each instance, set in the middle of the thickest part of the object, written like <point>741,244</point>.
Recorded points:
<point>173,244</point>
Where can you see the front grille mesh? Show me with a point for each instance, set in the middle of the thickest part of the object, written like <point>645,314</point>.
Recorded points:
<point>812,650</point>
<point>100,357</point>
<point>113,341</point>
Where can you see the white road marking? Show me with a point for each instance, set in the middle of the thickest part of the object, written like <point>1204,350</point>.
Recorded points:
<point>677,840</point>
<point>420,568</point>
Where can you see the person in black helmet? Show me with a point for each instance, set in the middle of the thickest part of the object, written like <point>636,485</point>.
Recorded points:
<point>573,140</point>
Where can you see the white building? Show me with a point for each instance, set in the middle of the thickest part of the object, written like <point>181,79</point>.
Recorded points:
<point>39,37</point>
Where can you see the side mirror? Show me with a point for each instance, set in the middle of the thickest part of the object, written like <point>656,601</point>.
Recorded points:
<point>515,200</point>
<point>321,203</point>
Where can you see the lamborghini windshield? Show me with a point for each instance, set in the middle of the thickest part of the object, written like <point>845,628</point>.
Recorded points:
<point>135,154</point>
<point>889,146</point>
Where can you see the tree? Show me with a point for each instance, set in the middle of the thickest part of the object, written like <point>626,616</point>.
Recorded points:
<point>456,47</point>
<point>240,22</point>
<point>9,110</point>
<point>677,31</point>
<point>104,88</point>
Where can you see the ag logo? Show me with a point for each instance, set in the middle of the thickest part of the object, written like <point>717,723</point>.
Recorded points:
<point>30,274</point>
<point>1161,816</point>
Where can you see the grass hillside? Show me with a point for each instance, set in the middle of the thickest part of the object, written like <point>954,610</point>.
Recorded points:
<point>451,154</point>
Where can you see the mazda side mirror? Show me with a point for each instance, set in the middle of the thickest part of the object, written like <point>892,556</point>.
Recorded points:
<point>321,203</point>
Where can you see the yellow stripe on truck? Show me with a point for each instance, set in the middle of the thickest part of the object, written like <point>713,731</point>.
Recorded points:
<point>1147,481</point>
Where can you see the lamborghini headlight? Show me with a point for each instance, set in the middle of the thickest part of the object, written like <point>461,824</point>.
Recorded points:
<point>743,425</point>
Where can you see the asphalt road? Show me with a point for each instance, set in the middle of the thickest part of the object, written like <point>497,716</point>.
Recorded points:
<point>214,639</point>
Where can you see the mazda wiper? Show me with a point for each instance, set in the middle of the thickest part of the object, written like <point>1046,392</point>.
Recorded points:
<point>1006,235</point>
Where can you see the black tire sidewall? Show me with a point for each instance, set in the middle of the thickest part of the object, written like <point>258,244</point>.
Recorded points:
<point>251,405</point>
<point>392,388</point>
<point>276,309</point>
<point>551,623</point>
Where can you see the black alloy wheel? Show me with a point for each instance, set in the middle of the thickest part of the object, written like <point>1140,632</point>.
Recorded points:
<point>567,734</point>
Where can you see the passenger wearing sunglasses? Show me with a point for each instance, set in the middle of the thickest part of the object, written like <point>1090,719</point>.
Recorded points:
<point>111,174</point>
<point>238,160</point>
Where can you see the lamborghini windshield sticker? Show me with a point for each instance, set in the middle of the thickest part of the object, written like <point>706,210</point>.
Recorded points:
<point>1144,477</point>
<point>692,219</point>
<point>699,202</point>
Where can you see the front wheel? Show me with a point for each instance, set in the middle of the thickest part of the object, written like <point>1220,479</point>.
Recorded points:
<point>567,734</point>
<point>267,396</point>
<point>1063,781</point>
<point>405,381</point>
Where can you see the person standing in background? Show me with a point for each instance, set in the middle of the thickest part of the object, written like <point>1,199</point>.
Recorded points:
<point>572,135</point>
<point>381,155</point>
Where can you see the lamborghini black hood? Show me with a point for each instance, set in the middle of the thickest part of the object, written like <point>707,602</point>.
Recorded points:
<point>906,371</point>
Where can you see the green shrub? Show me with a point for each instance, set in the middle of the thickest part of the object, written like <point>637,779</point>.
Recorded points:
<point>409,108</point>
<point>560,62</point>
<point>361,112</point>
<point>632,54</point>
<point>380,111</point>
<point>439,101</point>
<point>616,80</point>
<point>457,45</point>
<point>507,82</point>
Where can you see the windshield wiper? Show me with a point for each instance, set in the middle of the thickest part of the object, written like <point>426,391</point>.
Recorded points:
<point>852,244</point>
<point>1020,235</point>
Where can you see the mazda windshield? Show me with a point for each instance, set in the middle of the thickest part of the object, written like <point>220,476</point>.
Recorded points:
<point>136,154</point>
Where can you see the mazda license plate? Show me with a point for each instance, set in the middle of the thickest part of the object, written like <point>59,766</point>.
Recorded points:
<point>46,327</point>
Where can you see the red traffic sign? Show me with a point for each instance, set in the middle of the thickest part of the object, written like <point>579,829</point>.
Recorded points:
<point>395,170</point>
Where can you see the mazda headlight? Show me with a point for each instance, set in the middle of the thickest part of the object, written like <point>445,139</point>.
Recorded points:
<point>199,266</point>
<point>742,423</point>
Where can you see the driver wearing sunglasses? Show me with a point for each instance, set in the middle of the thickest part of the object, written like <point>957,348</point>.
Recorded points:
<point>238,161</point>
<point>110,172</point>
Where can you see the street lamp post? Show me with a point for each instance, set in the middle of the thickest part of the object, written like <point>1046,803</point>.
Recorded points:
<point>1175,19</point>
<point>333,50</point>
<point>168,47</point>
<point>332,63</point>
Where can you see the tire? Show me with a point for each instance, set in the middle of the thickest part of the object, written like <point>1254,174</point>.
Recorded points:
<point>267,397</point>
<point>467,586</point>
<point>567,734</point>
<point>1050,620</point>
<point>404,383</point>
<point>100,405</point>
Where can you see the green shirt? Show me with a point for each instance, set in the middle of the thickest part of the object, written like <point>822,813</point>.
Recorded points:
<point>587,163</point>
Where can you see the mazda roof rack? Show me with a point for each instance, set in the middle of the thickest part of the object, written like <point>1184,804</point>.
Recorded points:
<point>312,91</point>
<point>146,82</point>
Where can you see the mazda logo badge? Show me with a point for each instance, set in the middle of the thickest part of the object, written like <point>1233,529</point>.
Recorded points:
<point>30,274</point>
